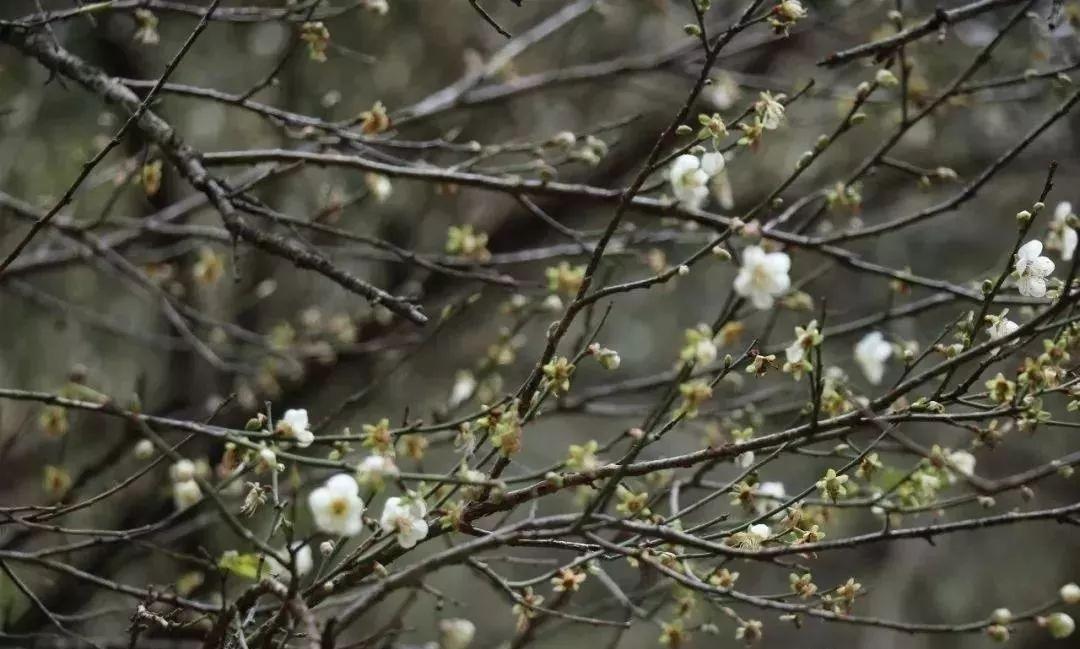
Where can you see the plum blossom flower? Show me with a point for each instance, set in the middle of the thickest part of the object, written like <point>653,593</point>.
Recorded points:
<point>744,460</point>
<point>871,353</point>
<point>405,517</point>
<point>963,462</point>
<point>760,531</point>
<point>294,425</point>
<point>791,9</point>
<point>689,176</point>
<point>770,111</point>
<point>463,389</point>
<point>375,468</point>
<point>337,507</point>
<point>1000,326</point>
<point>806,338</point>
<point>769,494</point>
<point>186,493</point>
<point>185,489</point>
<point>700,347</point>
<point>1032,269</point>
<point>457,633</point>
<point>1067,234</point>
<point>772,490</point>
<point>379,186</point>
<point>182,471</point>
<point>763,276</point>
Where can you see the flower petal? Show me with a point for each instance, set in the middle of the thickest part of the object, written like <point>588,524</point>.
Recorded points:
<point>712,163</point>
<point>1030,250</point>
<point>343,484</point>
<point>1041,267</point>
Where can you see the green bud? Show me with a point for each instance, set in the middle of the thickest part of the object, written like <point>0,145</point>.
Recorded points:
<point>886,78</point>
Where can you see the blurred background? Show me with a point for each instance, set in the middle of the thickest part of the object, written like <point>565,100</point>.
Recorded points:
<point>318,345</point>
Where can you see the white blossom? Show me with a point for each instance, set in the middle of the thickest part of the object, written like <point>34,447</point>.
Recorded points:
<point>337,507</point>
<point>744,460</point>
<point>294,425</point>
<point>186,493</point>
<point>963,462</point>
<point>267,460</point>
<point>871,353</point>
<point>760,530</point>
<point>379,186</point>
<point>374,468</point>
<point>1002,327</point>
<point>405,517</point>
<point>689,176</point>
<point>704,351</point>
<point>463,388</point>
<point>769,494</point>
<point>772,490</point>
<point>770,111</point>
<point>144,449</point>
<point>1068,234</point>
<point>379,7</point>
<point>457,633</point>
<point>763,276</point>
<point>791,9</point>
<point>1032,269</point>
<point>723,92</point>
<point>182,471</point>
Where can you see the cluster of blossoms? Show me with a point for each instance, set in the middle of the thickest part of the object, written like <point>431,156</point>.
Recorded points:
<point>337,507</point>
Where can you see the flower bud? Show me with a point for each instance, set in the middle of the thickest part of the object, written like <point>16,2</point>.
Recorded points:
<point>564,139</point>
<point>456,633</point>
<point>1070,593</point>
<point>1059,625</point>
<point>143,450</point>
<point>326,548</point>
<point>886,78</point>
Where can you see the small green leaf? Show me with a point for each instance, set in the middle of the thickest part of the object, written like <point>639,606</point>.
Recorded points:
<point>245,565</point>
